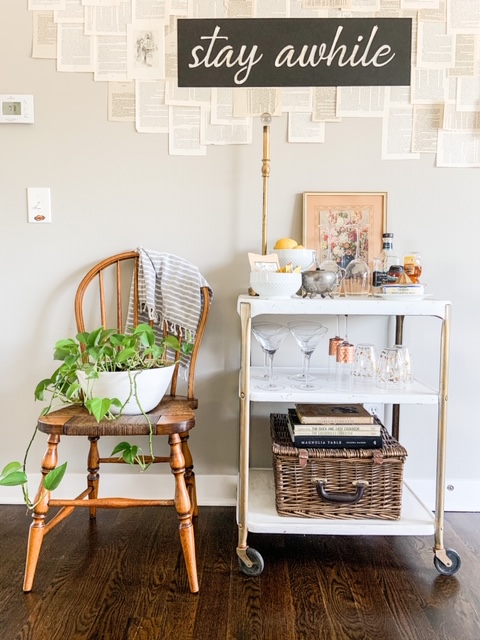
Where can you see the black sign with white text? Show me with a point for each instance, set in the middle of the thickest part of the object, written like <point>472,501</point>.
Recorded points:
<point>297,52</point>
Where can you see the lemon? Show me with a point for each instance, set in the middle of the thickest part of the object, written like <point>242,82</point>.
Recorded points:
<point>285,243</point>
<point>299,246</point>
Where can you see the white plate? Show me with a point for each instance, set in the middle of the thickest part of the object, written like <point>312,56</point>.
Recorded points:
<point>402,296</point>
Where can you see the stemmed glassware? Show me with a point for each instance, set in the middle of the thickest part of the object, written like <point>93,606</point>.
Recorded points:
<point>329,264</point>
<point>270,336</point>
<point>345,340</point>
<point>357,274</point>
<point>344,363</point>
<point>307,336</point>
<point>265,374</point>
<point>332,352</point>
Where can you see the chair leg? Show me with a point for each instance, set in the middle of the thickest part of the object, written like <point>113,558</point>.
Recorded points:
<point>93,475</point>
<point>189,474</point>
<point>183,508</point>
<point>37,528</point>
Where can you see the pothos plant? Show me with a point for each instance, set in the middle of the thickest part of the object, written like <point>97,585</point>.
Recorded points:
<point>101,350</point>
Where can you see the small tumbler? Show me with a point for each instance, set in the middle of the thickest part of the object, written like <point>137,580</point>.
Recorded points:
<point>391,370</point>
<point>407,362</point>
<point>365,364</point>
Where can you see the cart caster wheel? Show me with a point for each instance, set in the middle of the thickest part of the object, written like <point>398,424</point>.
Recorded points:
<point>257,566</point>
<point>442,568</point>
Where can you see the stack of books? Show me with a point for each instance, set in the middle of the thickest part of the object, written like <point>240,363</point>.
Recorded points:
<point>336,426</point>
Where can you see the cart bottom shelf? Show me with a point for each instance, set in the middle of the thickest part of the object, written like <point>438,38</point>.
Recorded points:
<point>262,516</point>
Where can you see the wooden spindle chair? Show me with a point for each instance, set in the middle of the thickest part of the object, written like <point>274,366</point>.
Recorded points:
<point>174,417</point>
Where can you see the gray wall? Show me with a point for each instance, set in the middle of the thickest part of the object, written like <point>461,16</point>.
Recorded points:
<point>114,189</point>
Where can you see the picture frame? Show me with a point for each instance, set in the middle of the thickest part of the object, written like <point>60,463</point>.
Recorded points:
<point>331,220</point>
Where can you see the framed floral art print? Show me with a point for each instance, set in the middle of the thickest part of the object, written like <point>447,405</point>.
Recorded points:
<point>339,224</point>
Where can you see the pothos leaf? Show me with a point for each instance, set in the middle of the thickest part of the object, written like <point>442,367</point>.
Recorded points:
<point>120,447</point>
<point>11,466</point>
<point>54,477</point>
<point>98,407</point>
<point>127,451</point>
<point>13,478</point>
<point>130,454</point>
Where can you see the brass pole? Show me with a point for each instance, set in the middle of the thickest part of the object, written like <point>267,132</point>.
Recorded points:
<point>396,407</point>
<point>246,323</point>
<point>442,438</point>
<point>266,120</point>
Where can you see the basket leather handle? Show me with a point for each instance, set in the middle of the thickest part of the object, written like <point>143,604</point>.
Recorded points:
<point>342,498</point>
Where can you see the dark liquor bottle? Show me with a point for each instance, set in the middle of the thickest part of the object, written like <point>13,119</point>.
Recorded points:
<point>383,263</point>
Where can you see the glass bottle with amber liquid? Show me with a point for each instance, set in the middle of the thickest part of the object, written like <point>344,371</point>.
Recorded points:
<point>412,265</point>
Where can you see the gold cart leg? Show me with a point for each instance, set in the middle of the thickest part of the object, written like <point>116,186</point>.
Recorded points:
<point>242,498</point>
<point>396,407</point>
<point>439,549</point>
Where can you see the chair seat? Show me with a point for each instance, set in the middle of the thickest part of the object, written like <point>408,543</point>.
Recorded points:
<point>171,415</point>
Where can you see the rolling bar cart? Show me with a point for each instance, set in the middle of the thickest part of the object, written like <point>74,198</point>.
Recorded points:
<point>256,511</point>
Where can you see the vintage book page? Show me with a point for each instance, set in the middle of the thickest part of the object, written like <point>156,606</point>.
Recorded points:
<point>232,133</point>
<point>301,128</point>
<point>44,43</point>
<point>151,113</point>
<point>427,120</point>
<point>184,132</point>
<point>121,101</point>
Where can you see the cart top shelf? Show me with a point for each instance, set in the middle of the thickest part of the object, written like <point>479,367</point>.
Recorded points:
<point>260,305</point>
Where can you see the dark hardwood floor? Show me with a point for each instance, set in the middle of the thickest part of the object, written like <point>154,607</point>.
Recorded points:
<point>123,578</point>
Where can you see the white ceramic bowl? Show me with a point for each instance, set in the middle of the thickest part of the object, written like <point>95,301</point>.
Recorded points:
<point>275,285</point>
<point>302,258</point>
<point>151,386</point>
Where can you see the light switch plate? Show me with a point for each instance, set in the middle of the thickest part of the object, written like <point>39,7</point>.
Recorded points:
<point>39,207</point>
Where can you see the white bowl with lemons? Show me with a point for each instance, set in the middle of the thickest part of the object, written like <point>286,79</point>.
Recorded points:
<point>289,251</point>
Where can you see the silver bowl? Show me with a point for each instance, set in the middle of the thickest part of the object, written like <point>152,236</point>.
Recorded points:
<point>319,282</point>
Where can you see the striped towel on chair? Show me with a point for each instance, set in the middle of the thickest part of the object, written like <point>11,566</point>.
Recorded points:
<point>169,290</point>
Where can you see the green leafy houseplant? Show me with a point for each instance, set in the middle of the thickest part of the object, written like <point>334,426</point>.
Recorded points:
<point>102,350</point>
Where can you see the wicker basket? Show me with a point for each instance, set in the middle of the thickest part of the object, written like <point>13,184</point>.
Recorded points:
<point>367,482</point>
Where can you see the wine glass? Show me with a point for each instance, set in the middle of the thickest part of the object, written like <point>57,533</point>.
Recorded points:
<point>332,352</point>
<point>357,274</point>
<point>307,336</point>
<point>270,335</point>
<point>329,264</point>
<point>344,361</point>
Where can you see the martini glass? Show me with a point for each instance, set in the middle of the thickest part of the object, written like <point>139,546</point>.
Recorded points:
<point>265,374</point>
<point>270,336</point>
<point>307,336</point>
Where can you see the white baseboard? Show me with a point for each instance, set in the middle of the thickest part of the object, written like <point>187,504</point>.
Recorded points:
<point>460,495</point>
<point>221,490</point>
